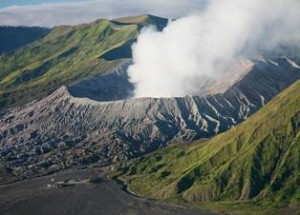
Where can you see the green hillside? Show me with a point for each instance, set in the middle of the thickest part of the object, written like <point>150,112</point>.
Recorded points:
<point>67,54</point>
<point>251,169</point>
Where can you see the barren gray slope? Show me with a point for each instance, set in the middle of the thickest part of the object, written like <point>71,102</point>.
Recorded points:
<point>34,197</point>
<point>62,130</point>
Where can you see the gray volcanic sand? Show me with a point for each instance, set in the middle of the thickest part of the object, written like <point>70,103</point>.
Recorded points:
<point>106,197</point>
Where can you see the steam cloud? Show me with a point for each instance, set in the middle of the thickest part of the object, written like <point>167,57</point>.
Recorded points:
<point>178,60</point>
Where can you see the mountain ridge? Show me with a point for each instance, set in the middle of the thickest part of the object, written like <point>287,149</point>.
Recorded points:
<point>66,54</point>
<point>66,101</point>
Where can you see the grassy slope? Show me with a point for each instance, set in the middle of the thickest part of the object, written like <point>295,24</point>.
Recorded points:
<point>66,54</point>
<point>256,162</point>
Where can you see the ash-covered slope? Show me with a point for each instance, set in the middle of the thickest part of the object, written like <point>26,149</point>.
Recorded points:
<point>63,130</point>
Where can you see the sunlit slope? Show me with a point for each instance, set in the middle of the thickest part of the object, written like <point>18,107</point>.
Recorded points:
<point>257,160</point>
<point>67,54</point>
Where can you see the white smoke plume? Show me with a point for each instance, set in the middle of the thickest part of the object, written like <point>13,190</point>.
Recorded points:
<point>176,61</point>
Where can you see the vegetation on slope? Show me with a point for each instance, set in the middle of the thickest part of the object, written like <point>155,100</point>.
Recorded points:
<point>13,38</point>
<point>66,54</point>
<point>258,162</point>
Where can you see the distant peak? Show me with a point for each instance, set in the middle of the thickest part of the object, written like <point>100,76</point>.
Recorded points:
<point>138,19</point>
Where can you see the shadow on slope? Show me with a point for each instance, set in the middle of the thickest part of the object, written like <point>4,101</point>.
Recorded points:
<point>111,86</point>
<point>13,38</point>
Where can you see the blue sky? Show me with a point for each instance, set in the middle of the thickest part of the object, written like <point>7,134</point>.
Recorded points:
<point>7,3</point>
<point>51,13</point>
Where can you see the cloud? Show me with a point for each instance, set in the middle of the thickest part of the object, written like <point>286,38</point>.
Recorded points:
<point>52,14</point>
<point>199,47</point>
